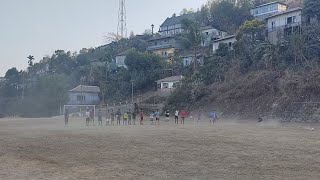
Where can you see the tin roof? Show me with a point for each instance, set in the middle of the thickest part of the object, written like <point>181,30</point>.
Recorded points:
<point>82,88</point>
<point>224,38</point>
<point>285,12</point>
<point>275,2</point>
<point>171,79</point>
<point>178,19</point>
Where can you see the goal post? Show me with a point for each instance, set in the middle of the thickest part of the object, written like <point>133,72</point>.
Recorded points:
<point>79,110</point>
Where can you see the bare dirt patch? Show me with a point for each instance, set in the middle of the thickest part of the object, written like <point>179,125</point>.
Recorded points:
<point>45,149</point>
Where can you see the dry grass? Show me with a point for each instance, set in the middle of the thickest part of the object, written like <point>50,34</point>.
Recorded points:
<point>45,149</point>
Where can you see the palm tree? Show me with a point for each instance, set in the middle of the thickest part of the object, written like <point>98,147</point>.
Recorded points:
<point>30,62</point>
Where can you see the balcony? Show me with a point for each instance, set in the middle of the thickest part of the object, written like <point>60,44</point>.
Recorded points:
<point>160,46</point>
<point>290,25</point>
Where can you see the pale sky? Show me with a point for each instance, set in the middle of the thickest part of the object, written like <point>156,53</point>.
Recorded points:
<point>39,27</point>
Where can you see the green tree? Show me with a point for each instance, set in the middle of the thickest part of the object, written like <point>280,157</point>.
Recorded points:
<point>312,9</point>
<point>249,36</point>
<point>192,37</point>
<point>12,86</point>
<point>214,69</point>
<point>186,11</point>
<point>144,68</point>
<point>227,16</point>
<point>30,61</point>
<point>47,97</point>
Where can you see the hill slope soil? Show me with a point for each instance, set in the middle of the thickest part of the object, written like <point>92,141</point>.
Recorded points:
<point>288,96</point>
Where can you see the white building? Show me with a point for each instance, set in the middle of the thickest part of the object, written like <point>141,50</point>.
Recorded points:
<point>121,57</point>
<point>168,83</point>
<point>210,34</point>
<point>230,40</point>
<point>284,23</point>
<point>263,11</point>
<point>84,95</point>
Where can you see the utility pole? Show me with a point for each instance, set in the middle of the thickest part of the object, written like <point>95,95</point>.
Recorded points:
<point>132,90</point>
<point>23,86</point>
<point>122,20</point>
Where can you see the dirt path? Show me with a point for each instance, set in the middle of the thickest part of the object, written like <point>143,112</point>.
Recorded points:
<point>44,149</point>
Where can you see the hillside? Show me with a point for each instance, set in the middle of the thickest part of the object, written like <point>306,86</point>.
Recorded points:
<point>291,96</point>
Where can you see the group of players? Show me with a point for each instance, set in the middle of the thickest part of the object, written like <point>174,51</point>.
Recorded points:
<point>130,117</point>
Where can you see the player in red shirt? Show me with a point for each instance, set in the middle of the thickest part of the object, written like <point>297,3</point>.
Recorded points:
<point>141,117</point>
<point>183,116</point>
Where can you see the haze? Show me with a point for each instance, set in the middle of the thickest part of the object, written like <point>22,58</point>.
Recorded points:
<point>38,27</point>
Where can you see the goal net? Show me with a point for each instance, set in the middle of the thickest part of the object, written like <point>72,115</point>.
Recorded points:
<point>78,111</point>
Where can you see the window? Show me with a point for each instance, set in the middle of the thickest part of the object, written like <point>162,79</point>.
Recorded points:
<point>165,86</point>
<point>81,98</point>
<point>207,33</point>
<point>230,44</point>
<point>308,20</point>
<point>289,20</point>
<point>273,24</point>
<point>171,27</point>
<point>294,19</point>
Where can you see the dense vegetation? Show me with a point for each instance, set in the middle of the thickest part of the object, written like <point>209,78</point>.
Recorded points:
<point>256,74</point>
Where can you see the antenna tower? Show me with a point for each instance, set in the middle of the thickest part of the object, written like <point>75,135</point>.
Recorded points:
<point>122,19</point>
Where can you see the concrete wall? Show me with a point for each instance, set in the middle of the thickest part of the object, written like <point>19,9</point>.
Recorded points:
<point>90,98</point>
<point>215,45</point>
<point>164,52</point>
<point>210,34</point>
<point>277,25</point>
<point>120,61</point>
<point>163,86</point>
<point>281,20</point>
<point>265,11</point>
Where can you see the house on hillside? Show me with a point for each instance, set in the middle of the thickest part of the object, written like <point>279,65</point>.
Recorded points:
<point>173,25</point>
<point>284,23</point>
<point>121,57</point>
<point>167,41</point>
<point>164,46</point>
<point>210,34</point>
<point>168,83</point>
<point>188,56</point>
<point>263,11</point>
<point>84,95</point>
<point>230,40</point>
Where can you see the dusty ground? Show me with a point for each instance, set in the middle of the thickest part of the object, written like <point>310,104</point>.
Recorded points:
<point>45,149</point>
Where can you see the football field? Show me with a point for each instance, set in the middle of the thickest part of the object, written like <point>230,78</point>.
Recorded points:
<point>45,149</point>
